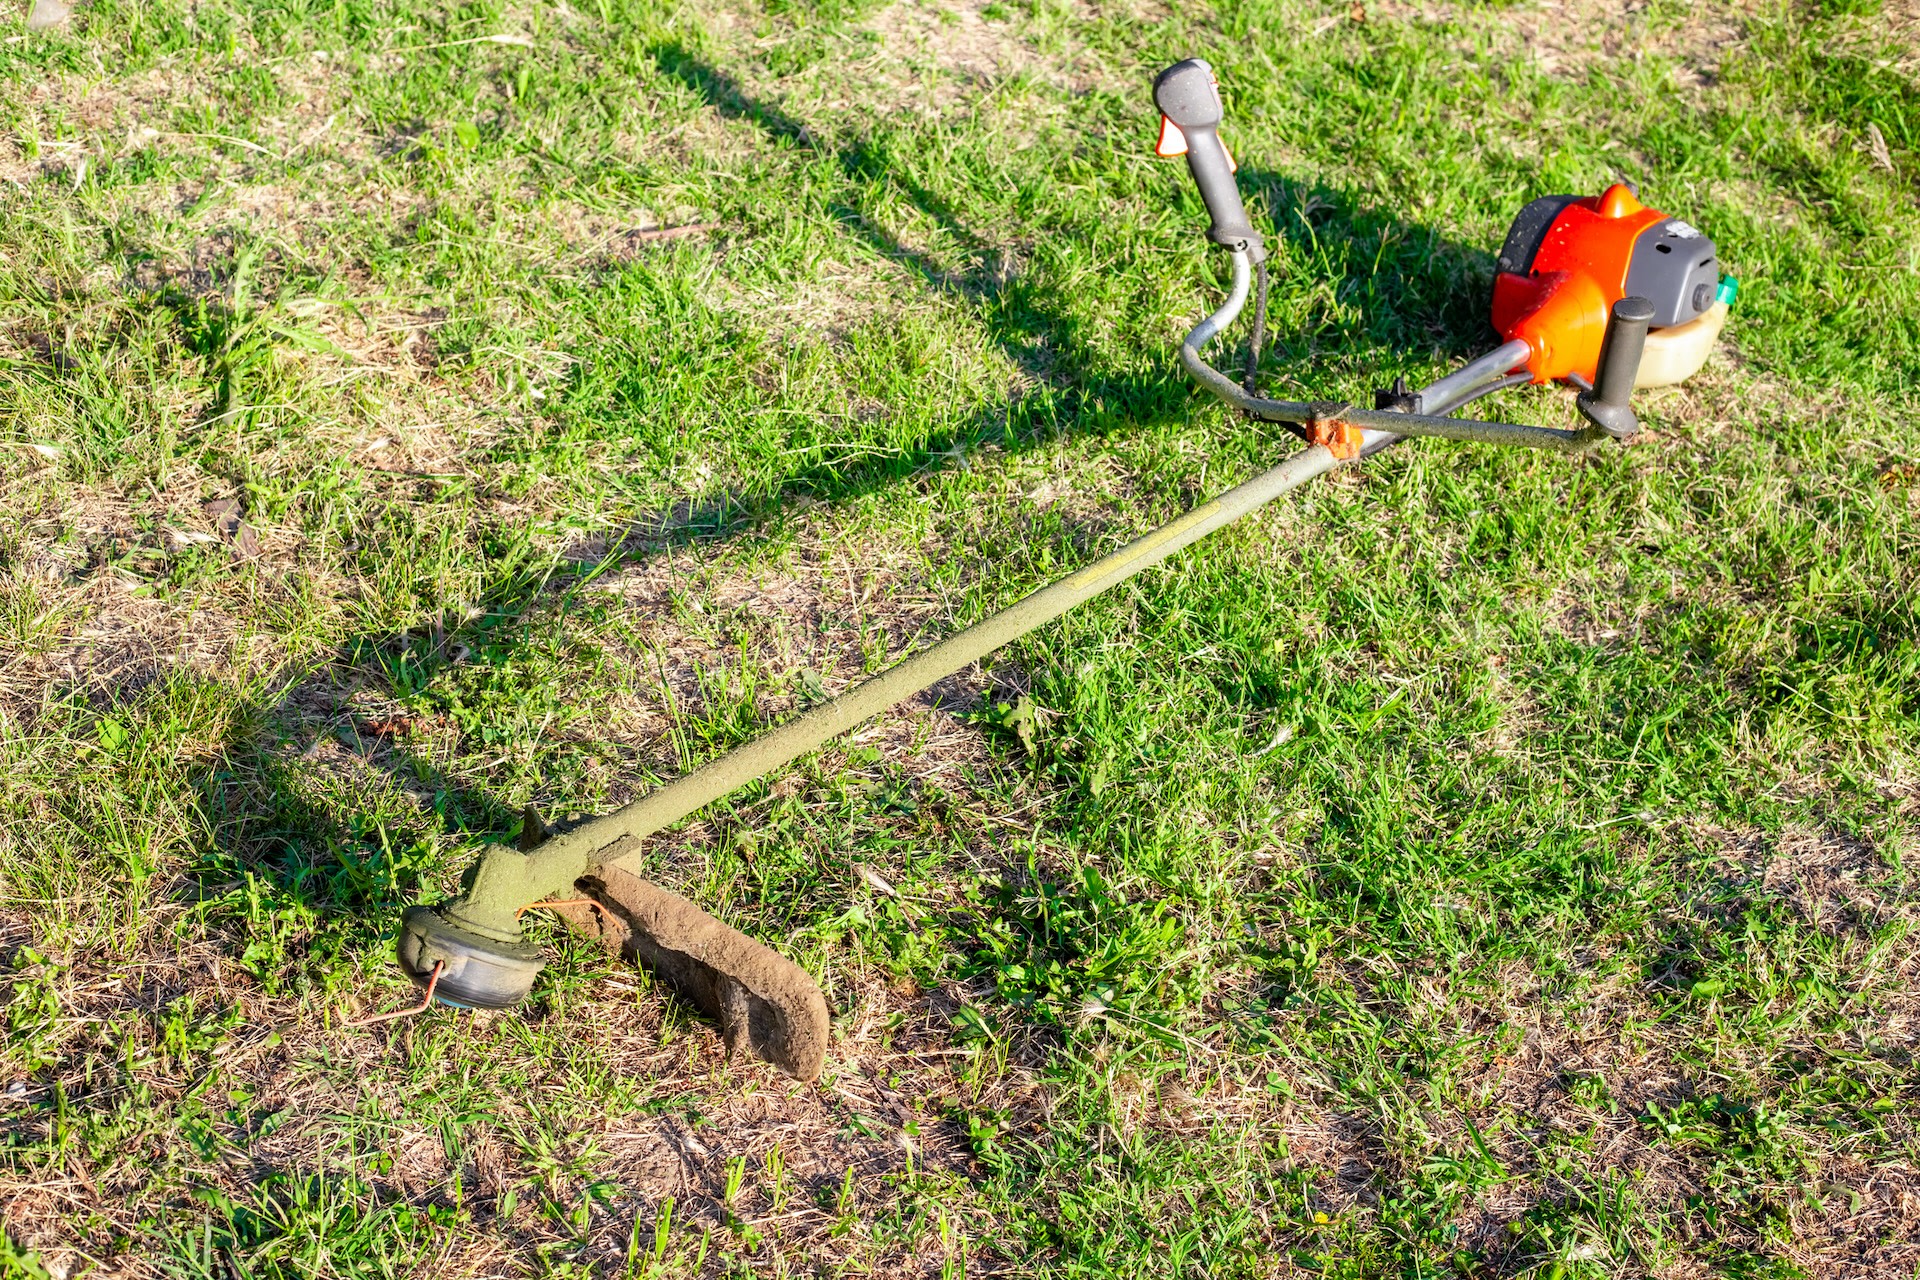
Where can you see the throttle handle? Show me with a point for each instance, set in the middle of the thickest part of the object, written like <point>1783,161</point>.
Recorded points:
<point>1189,102</point>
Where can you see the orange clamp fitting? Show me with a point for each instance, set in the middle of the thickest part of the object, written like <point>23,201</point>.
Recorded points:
<point>1326,427</point>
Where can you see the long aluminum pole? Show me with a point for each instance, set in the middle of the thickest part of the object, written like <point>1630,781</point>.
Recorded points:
<point>507,880</point>
<point>605,840</point>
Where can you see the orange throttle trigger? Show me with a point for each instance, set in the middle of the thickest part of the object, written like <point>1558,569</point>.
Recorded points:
<point>1174,143</point>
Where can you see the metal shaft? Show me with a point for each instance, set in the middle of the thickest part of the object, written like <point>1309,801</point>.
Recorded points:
<point>506,880</point>
<point>606,841</point>
<point>1491,367</point>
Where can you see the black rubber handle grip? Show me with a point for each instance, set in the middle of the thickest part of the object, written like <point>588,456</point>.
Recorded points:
<point>1186,95</point>
<point>1620,351</point>
<point>1610,404</point>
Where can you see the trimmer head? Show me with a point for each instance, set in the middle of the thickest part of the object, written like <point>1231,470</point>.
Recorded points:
<point>475,972</point>
<point>767,1006</point>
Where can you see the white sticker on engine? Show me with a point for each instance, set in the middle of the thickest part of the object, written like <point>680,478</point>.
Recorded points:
<point>1682,231</point>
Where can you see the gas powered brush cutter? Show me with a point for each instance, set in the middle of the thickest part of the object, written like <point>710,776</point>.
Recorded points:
<point>1601,293</point>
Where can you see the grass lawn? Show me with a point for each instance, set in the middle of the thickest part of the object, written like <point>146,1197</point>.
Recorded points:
<point>1478,863</point>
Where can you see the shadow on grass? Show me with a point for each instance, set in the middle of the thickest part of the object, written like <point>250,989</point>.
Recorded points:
<point>1410,278</point>
<point>348,849</point>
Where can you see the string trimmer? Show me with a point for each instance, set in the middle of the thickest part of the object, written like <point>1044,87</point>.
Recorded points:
<point>1601,293</point>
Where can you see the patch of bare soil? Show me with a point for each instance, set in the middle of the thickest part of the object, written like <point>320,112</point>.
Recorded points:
<point>73,122</point>
<point>837,300</point>
<point>1893,25</point>
<point>78,609</point>
<point>102,589</point>
<point>103,592</point>
<point>108,642</point>
<point>826,1168</point>
<point>1571,37</point>
<point>935,53</point>
<point>710,635</point>
<point>72,118</point>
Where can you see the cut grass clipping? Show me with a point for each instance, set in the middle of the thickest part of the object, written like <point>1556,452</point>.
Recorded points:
<point>1478,863</point>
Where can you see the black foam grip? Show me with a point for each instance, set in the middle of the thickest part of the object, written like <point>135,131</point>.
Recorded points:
<point>1186,95</point>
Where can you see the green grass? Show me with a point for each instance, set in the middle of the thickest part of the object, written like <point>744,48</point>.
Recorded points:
<point>1479,863</point>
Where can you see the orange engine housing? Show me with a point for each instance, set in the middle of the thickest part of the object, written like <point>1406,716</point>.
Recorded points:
<point>1568,260</point>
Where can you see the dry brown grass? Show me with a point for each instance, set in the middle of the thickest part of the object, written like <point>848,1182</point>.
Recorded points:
<point>1572,37</point>
<point>79,616</point>
<point>310,1075</point>
<point>1892,24</point>
<point>933,56</point>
